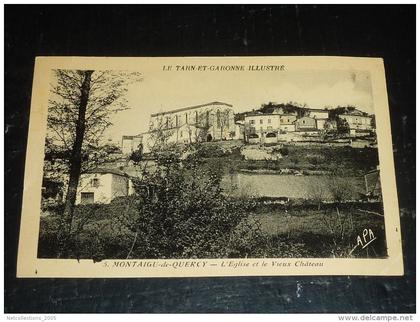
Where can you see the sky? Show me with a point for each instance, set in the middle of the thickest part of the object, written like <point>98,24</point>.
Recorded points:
<point>163,91</point>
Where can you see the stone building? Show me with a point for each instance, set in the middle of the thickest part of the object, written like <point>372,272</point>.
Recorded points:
<point>206,122</point>
<point>357,120</point>
<point>102,186</point>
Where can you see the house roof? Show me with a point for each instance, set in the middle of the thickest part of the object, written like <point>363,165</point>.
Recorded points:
<point>307,129</point>
<point>268,114</point>
<point>355,114</point>
<point>260,114</point>
<point>130,137</point>
<point>305,117</point>
<point>108,170</point>
<point>191,108</point>
<point>316,110</point>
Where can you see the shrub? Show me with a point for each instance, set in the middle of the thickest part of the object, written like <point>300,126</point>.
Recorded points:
<point>295,160</point>
<point>284,151</point>
<point>188,216</point>
<point>211,151</point>
<point>316,159</point>
<point>47,243</point>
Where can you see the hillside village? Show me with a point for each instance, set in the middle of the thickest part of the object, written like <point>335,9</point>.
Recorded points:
<point>272,123</point>
<point>299,172</point>
<point>261,135</point>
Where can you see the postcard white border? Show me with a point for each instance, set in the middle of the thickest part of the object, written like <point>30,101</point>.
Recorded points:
<point>29,265</point>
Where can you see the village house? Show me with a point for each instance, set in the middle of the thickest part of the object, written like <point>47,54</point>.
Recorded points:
<point>262,127</point>
<point>287,122</point>
<point>306,124</point>
<point>357,120</point>
<point>131,143</point>
<point>102,186</point>
<point>320,116</point>
<point>317,113</point>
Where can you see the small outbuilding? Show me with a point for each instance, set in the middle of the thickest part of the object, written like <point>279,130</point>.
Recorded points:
<point>102,186</point>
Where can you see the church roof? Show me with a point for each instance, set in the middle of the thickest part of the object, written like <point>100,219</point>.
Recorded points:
<point>191,108</point>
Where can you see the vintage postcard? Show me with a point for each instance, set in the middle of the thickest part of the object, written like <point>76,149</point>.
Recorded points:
<point>209,166</point>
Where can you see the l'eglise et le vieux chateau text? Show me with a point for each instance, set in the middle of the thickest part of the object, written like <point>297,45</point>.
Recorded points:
<point>223,68</point>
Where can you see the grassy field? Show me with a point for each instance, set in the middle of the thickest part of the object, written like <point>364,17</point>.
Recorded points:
<point>325,232</point>
<point>290,231</point>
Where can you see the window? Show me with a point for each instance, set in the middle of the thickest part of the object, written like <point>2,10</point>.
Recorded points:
<point>261,121</point>
<point>186,118</point>
<point>86,198</point>
<point>269,121</point>
<point>94,182</point>
<point>303,121</point>
<point>252,122</point>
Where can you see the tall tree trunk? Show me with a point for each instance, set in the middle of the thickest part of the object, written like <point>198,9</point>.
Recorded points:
<point>75,167</point>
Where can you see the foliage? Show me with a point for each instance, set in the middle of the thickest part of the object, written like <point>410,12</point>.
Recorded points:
<point>214,150</point>
<point>284,150</point>
<point>343,126</point>
<point>317,193</point>
<point>187,215</point>
<point>137,155</point>
<point>106,97</point>
<point>340,188</point>
<point>79,110</point>
<point>316,159</point>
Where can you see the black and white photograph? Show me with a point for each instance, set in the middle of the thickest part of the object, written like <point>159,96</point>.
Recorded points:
<point>221,160</point>
<point>209,158</point>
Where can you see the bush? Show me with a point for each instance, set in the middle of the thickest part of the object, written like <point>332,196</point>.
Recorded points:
<point>212,151</point>
<point>47,243</point>
<point>188,216</point>
<point>316,159</point>
<point>284,151</point>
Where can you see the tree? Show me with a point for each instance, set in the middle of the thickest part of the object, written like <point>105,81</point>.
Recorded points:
<point>317,192</point>
<point>137,155</point>
<point>342,126</point>
<point>340,188</point>
<point>80,107</point>
<point>224,121</point>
